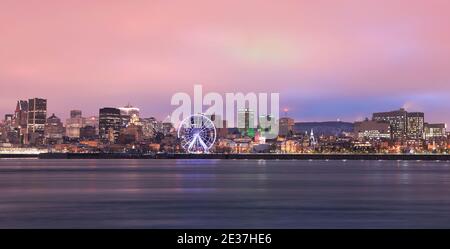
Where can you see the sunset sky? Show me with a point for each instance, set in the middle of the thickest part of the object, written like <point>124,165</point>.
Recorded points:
<point>328,59</point>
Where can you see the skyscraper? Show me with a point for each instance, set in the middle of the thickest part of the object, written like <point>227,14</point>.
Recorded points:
<point>21,120</point>
<point>246,122</point>
<point>286,126</point>
<point>74,124</point>
<point>37,117</point>
<point>129,114</point>
<point>109,124</point>
<point>21,114</point>
<point>415,127</point>
<point>54,130</point>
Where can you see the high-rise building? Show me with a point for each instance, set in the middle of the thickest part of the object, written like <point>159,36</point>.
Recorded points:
<point>129,114</point>
<point>167,128</point>
<point>92,121</point>
<point>246,122</point>
<point>286,126</point>
<point>397,120</point>
<point>37,117</point>
<point>9,119</point>
<point>149,127</point>
<point>76,114</point>
<point>88,132</point>
<point>415,125</point>
<point>74,124</point>
<point>21,114</point>
<point>54,130</point>
<point>110,123</point>
<point>21,120</point>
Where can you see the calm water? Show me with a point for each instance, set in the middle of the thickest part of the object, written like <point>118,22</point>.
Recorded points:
<point>223,194</point>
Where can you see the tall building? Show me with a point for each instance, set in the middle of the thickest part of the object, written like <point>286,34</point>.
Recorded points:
<point>8,132</point>
<point>246,122</point>
<point>149,127</point>
<point>415,125</point>
<point>74,124</point>
<point>37,117</point>
<point>286,126</point>
<point>88,132</point>
<point>21,120</point>
<point>9,118</point>
<point>54,130</point>
<point>21,114</point>
<point>92,121</point>
<point>129,115</point>
<point>110,124</point>
<point>76,114</point>
<point>397,120</point>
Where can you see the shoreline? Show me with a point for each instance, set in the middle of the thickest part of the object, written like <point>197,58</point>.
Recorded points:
<point>389,157</point>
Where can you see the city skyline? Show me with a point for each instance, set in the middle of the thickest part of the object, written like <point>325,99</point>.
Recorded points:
<point>359,58</point>
<point>284,112</point>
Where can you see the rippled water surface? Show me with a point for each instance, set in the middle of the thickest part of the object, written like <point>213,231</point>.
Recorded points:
<point>223,194</point>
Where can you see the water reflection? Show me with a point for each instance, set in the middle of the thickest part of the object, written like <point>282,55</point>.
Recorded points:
<point>223,194</point>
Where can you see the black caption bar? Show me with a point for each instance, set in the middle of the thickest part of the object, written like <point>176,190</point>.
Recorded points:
<point>224,238</point>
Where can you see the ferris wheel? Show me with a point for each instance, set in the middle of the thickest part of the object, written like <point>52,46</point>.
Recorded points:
<point>197,134</point>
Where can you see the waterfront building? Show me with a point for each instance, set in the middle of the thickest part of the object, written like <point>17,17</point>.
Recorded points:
<point>167,128</point>
<point>246,122</point>
<point>129,114</point>
<point>92,121</point>
<point>435,131</point>
<point>9,119</point>
<point>74,124</point>
<point>110,123</point>
<point>21,120</point>
<point>265,123</point>
<point>88,132</point>
<point>415,125</point>
<point>396,119</point>
<point>149,127</point>
<point>286,127</point>
<point>130,134</point>
<point>372,130</point>
<point>54,130</point>
<point>37,117</point>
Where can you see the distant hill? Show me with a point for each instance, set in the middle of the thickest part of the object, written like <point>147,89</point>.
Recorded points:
<point>323,128</point>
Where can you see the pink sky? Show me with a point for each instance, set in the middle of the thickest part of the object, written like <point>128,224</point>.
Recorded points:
<point>328,59</point>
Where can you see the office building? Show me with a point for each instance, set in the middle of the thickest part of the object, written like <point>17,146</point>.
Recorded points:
<point>246,122</point>
<point>21,120</point>
<point>37,117</point>
<point>54,130</point>
<point>398,122</point>
<point>415,125</point>
<point>74,124</point>
<point>129,115</point>
<point>286,126</point>
<point>110,124</point>
<point>372,130</point>
<point>435,131</point>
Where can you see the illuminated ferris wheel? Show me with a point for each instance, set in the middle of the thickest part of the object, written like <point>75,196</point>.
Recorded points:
<point>197,134</point>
